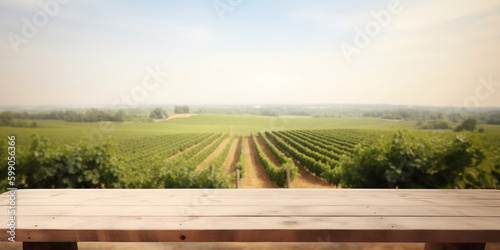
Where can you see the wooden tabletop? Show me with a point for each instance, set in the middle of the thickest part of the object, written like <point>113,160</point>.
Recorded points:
<point>247,215</point>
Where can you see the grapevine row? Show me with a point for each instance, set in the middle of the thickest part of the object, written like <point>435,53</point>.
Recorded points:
<point>304,141</point>
<point>195,150</point>
<point>282,158</point>
<point>342,144</point>
<point>158,148</point>
<point>241,161</point>
<point>322,143</point>
<point>310,163</point>
<point>350,137</point>
<point>276,174</point>
<point>202,155</point>
<point>305,148</point>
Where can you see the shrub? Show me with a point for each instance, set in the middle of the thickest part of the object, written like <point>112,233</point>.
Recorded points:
<point>408,161</point>
<point>81,166</point>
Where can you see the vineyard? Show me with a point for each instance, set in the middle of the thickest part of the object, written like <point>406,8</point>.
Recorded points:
<point>316,151</point>
<point>313,157</point>
<point>158,147</point>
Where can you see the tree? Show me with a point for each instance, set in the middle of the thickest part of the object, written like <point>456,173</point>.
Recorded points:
<point>181,109</point>
<point>72,116</point>
<point>468,124</point>
<point>442,124</point>
<point>121,115</point>
<point>158,113</point>
<point>454,117</point>
<point>96,115</point>
<point>6,118</point>
<point>439,124</point>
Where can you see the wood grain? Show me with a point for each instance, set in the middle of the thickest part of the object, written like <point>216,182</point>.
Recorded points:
<point>260,211</point>
<point>252,215</point>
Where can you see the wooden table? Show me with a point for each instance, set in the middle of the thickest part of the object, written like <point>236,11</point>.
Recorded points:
<point>62,217</point>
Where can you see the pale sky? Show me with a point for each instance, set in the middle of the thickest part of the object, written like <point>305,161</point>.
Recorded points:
<point>262,52</point>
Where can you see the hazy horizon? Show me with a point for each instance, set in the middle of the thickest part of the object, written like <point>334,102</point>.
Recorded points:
<point>255,106</point>
<point>92,53</point>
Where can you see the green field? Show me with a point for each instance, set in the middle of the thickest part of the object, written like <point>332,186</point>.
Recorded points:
<point>70,132</point>
<point>177,152</point>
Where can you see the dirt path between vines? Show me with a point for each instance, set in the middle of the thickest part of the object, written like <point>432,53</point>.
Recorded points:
<point>229,165</point>
<point>218,150</point>
<point>255,174</point>
<point>268,152</point>
<point>214,140</point>
<point>306,179</point>
<point>214,154</point>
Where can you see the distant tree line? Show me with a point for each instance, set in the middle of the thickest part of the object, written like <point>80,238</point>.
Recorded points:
<point>7,120</point>
<point>181,109</point>
<point>436,116</point>
<point>428,118</point>
<point>469,124</point>
<point>435,124</point>
<point>96,115</point>
<point>92,115</point>
<point>488,117</point>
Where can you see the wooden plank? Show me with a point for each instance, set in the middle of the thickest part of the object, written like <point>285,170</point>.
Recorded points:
<point>189,194</point>
<point>256,193</point>
<point>194,201</point>
<point>457,236</point>
<point>231,195</point>
<point>270,193</point>
<point>260,211</point>
<point>139,222</point>
<point>295,215</point>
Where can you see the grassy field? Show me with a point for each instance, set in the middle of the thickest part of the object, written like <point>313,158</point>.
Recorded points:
<point>70,132</point>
